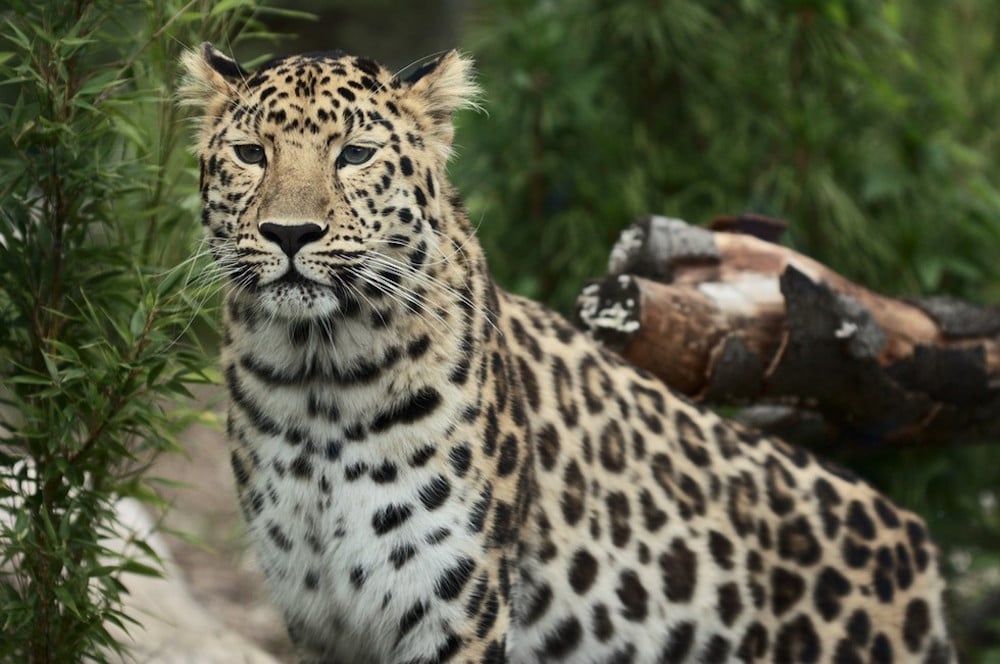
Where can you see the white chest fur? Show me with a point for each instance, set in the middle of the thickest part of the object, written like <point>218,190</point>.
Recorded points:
<point>347,496</point>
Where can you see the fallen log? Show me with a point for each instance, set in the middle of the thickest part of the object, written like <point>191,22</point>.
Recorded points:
<point>728,318</point>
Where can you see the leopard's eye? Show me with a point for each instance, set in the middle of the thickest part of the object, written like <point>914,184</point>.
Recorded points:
<point>354,155</point>
<point>249,153</point>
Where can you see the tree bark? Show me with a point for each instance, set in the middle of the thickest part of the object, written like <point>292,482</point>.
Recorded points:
<point>729,318</point>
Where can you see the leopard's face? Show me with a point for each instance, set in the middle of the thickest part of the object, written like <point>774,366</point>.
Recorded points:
<point>321,178</point>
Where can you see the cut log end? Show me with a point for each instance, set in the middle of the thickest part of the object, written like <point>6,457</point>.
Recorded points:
<point>654,246</point>
<point>610,310</point>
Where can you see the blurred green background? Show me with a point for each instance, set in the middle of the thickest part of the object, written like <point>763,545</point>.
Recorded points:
<point>871,126</point>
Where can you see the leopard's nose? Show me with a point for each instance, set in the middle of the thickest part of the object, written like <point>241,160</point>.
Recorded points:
<point>292,238</point>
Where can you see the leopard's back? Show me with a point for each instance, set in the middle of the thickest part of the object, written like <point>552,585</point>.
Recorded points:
<point>660,533</point>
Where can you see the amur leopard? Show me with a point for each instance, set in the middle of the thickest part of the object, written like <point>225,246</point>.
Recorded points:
<point>435,470</point>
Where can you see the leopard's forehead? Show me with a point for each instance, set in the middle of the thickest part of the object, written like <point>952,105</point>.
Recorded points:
<point>308,73</point>
<point>313,94</point>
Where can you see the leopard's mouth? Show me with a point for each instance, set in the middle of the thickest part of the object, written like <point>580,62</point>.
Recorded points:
<point>326,269</point>
<point>292,277</point>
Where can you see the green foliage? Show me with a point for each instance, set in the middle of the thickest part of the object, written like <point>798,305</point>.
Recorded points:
<point>870,126</point>
<point>97,195</point>
<point>867,125</point>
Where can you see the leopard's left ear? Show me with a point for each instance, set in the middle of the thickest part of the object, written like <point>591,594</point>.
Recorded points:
<point>444,86</point>
<point>208,73</point>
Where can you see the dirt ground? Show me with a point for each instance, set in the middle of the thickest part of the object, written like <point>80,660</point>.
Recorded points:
<point>215,556</point>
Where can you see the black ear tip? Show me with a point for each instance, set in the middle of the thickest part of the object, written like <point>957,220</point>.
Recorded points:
<point>425,68</point>
<point>224,65</point>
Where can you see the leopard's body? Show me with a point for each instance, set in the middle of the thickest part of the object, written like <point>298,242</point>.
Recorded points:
<point>435,470</point>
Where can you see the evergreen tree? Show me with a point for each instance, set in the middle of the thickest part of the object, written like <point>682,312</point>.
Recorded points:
<point>866,125</point>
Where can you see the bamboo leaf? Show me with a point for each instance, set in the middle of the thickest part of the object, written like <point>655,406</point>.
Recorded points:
<point>135,567</point>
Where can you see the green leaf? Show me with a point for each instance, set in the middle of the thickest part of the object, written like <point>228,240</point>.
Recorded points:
<point>135,567</point>
<point>51,367</point>
<point>19,37</point>
<point>137,323</point>
<point>67,599</point>
<point>227,6</point>
<point>171,280</point>
<point>29,379</point>
<point>154,372</point>
<point>76,41</point>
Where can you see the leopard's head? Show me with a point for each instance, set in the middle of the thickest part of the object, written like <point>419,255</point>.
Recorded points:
<point>322,175</point>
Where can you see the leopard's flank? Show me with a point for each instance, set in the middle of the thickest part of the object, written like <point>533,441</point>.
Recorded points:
<point>435,470</point>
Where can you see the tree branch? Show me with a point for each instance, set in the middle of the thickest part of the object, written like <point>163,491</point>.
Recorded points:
<point>730,318</point>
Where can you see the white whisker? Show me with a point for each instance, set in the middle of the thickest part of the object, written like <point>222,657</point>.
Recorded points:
<point>421,278</point>
<point>400,294</point>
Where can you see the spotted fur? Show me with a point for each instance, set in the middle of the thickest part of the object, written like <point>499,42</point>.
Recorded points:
<point>435,470</point>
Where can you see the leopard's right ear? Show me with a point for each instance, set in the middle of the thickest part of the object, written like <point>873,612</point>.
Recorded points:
<point>207,73</point>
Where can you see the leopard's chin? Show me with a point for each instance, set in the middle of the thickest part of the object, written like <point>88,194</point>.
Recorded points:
<point>303,300</point>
